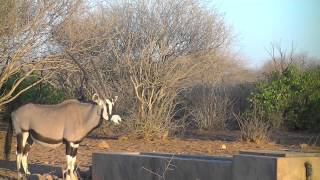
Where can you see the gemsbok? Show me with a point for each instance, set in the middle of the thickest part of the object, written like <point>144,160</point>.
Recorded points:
<point>52,125</point>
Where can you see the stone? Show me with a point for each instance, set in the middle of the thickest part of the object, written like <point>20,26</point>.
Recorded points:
<point>49,177</point>
<point>123,138</point>
<point>223,147</point>
<point>104,145</point>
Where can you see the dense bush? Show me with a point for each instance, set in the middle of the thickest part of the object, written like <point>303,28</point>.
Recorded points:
<point>291,99</point>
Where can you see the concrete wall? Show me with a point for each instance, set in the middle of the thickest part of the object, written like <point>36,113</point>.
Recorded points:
<point>293,168</point>
<point>275,165</point>
<point>249,165</point>
<point>153,166</point>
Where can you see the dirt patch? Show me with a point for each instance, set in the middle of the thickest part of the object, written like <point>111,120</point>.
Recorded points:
<point>204,143</point>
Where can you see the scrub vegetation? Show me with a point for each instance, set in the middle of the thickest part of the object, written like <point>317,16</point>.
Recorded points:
<point>181,88</point>
<point>170,63</point>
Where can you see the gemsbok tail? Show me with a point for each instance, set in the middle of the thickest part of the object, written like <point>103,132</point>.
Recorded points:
<point>7,145</point>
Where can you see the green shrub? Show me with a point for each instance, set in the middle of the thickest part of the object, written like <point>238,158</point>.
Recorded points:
<point>291,99</point>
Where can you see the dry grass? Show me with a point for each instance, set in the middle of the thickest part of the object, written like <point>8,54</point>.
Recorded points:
<point>253,126</point>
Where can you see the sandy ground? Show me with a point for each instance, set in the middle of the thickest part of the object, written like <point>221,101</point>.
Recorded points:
<point>47,160</point>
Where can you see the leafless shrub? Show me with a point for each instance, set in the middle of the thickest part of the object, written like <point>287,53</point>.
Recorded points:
<point>144,51</point>
<point>156,88</point>
<point>253,126</point>
<point>220,87</point>
<point>211,107</point>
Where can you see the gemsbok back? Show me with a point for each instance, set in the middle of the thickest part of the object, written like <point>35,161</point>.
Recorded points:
<point>52,125</point>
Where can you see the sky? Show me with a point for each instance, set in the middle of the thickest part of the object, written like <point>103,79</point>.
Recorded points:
<point>258,23</point>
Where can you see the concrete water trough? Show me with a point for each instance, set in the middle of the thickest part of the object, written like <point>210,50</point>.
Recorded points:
<point>247,165</point>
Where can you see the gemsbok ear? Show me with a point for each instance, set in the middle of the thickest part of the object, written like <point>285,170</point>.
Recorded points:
<point>95,98</point>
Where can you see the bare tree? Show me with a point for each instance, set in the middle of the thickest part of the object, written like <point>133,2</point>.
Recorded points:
<point>281,59</point>
<point>25,29</point>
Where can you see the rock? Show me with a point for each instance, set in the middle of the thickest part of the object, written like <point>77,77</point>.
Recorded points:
<point>223,147</point>
<point>123,138</point>
<point>49,177</point>
<point>104,145</point>
<point>303,146</point>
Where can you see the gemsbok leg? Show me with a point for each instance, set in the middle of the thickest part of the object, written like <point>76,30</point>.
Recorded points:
<point>24,143</point>
<point>71,152</point>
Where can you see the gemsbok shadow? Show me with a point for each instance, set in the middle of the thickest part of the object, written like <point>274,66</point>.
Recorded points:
<point>39,169</point>
<point>35,168</point>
